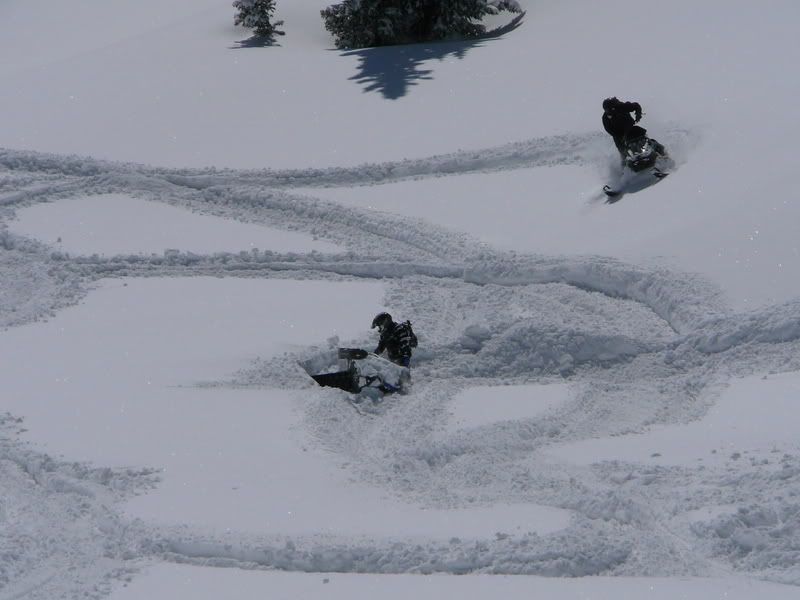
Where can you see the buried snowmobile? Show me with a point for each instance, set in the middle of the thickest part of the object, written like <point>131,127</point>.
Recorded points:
<point>366,373</point>
<point>643,162</point>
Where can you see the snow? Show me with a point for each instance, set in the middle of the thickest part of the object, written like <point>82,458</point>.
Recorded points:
<point>273,481</point>
<point>603,399</point>
<point>478,406</point>
<point>472,203</point>
<point>116,224</point>
<point>740,426</point>
<point>181,581</point>
<point>132,355</point>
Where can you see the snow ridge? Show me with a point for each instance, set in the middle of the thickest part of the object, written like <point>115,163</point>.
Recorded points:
<point>502,556</point>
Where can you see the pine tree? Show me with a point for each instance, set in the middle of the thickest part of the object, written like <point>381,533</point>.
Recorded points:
<point>256,15</point>
<point>362,23</point>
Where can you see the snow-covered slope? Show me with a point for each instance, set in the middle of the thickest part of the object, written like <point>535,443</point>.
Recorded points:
<point>150,421</point>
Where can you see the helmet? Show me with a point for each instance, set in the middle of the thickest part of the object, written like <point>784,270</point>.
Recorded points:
<point>381,320</point>
<point>610,104</point>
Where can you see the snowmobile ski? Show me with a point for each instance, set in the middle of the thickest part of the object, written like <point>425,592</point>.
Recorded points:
<point>636,182</point>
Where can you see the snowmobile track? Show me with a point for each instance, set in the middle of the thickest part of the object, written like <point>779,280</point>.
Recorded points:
<point>638,346</point>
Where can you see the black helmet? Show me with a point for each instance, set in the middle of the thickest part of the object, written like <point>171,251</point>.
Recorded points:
<point>381,319</point>
<point>610,104</point>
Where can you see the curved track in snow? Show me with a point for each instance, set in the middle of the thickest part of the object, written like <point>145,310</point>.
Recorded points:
<point>638,346</point>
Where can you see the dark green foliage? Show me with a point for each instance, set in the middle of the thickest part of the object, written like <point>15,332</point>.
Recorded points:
<point>363,23</point>
<point>256,15</point>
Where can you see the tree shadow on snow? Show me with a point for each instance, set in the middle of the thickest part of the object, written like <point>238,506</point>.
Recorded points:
<point>258,41</point>
<point>392,70</point>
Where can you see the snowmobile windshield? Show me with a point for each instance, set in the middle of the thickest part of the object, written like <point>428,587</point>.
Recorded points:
<point>639,145</point>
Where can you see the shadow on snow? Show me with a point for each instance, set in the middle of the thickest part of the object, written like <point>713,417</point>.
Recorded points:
<point>258,41</point>
<point>391,70</point>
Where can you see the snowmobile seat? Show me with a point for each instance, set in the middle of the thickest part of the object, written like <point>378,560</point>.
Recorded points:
<point>636,132</point>
<point>636,138</point>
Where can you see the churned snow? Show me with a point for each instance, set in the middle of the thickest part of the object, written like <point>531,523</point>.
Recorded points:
<point>604,396</point>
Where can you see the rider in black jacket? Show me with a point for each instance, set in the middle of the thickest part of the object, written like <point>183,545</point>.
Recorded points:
<point>617,119</point>
<point>396,338</point>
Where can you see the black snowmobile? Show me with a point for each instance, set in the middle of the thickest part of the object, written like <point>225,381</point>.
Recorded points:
<point>642,152</point>
<point>365,373</point>
<point>643,163</point>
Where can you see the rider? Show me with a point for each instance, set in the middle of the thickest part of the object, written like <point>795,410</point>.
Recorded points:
<point>396,338</point>
<point>617,120</point>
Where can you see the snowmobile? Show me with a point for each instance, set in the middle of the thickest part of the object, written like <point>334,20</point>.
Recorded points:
<point>643,162</point>
<point>642,152</point>
<point>366,373</point>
